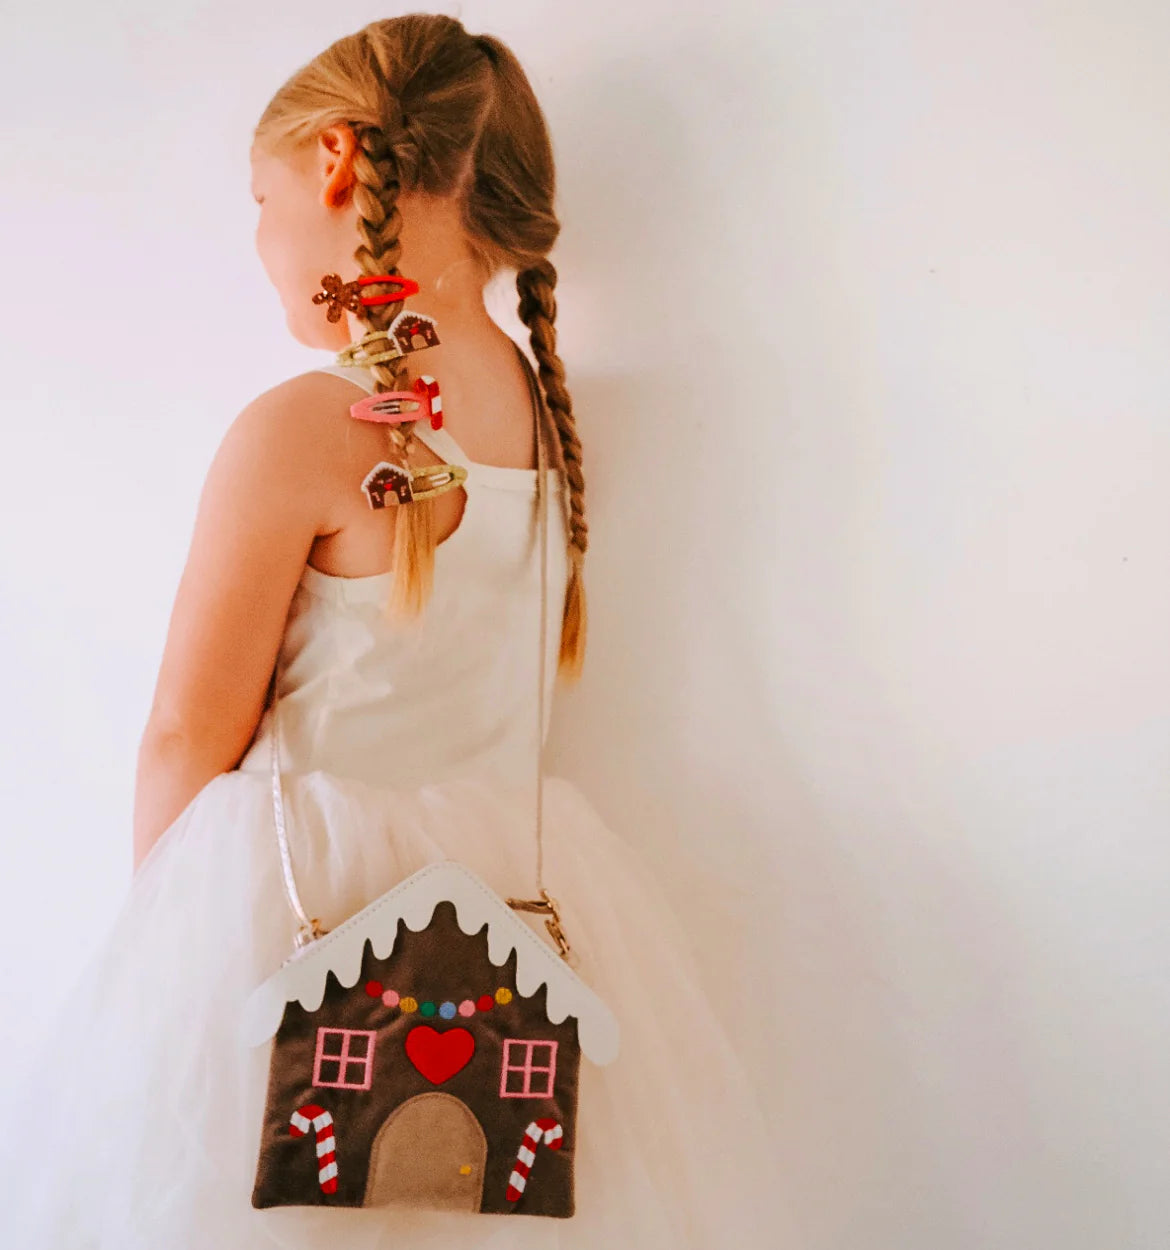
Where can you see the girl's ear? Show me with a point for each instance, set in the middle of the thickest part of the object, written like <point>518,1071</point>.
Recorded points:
<point>335,150</point>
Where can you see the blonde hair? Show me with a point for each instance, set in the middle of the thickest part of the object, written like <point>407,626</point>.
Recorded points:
<point>439,111</point>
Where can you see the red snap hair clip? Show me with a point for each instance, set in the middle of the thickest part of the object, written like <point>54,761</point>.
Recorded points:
<point>343,296</point>
<point>389,406</point>
<point>407,286</point>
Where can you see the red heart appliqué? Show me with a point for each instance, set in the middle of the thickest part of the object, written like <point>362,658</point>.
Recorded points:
<point>438,1056</point>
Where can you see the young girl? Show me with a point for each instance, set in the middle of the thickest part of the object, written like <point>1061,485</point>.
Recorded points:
<point>389,641</point>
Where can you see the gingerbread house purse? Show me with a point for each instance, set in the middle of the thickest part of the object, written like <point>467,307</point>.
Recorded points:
<point>427,1049</point>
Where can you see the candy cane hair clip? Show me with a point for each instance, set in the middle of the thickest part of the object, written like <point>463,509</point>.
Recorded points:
<point>423,401</point>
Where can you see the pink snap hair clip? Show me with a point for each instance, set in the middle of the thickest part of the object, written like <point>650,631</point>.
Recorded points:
<point>390,406</point>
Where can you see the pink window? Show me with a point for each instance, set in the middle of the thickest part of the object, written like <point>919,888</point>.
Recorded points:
<point>344,1058</point>
<point>529,1068</point>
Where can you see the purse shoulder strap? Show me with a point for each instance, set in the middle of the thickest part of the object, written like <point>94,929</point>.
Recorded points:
<point>310,927</point>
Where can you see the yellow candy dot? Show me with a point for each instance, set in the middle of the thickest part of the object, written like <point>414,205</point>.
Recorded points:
<point>503,995</point>
<point>408,1004</point>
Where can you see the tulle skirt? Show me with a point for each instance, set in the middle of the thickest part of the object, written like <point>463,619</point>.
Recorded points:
<point>140,1128</point>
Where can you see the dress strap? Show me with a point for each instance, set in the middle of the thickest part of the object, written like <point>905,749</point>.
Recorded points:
<point>355,373</point>
<point>439,441</point>
<point>442,444</point>
<point>310,929</point>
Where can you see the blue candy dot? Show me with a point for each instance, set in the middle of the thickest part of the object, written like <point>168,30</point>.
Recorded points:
<point>447,1010</point>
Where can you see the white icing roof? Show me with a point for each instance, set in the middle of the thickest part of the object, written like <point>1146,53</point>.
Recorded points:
<point>302,976</point>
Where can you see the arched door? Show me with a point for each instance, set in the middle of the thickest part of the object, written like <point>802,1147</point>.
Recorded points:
<point>432,1152</point>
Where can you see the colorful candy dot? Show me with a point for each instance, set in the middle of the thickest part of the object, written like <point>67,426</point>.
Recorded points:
<point>485,1002</point>
<point>503,995</point>
<point>390,998</point>
<point>374,989</point>
<point>408,1003</point>
<point>427,1009</point>
<point>467,1007</point>
<point>447,1010</point>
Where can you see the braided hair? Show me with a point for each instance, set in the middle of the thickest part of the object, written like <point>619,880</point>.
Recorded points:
<point>437,110</point>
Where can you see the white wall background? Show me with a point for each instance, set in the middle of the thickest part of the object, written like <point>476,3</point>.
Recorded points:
<point>865,309</point>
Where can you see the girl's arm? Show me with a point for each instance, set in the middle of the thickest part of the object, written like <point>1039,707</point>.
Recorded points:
<point>265,499</point>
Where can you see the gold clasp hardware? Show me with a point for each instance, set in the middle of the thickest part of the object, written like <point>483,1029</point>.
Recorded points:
<point>304,936</point>
<point>546,905</point>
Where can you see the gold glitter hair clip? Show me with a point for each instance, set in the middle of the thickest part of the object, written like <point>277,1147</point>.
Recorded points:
<point>408,332</point>
<point>388,483</point>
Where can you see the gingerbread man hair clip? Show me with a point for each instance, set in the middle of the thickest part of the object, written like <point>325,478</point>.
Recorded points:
<point>347,297</point>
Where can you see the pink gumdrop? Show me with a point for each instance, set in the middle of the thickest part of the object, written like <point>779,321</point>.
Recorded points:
<point>390,998</point>
<point>467,1007</point>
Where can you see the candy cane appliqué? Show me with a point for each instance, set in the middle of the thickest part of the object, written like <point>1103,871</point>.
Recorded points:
<point>547,1130</point>
<point>312,1116</point>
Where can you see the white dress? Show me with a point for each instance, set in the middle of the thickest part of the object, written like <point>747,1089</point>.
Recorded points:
<point>401,744</point>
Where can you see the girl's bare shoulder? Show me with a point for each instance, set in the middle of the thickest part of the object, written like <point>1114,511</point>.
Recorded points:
<point>299,433</point>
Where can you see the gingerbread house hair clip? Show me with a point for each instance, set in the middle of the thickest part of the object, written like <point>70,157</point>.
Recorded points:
<point>409,332</point>
<point>388,483</point>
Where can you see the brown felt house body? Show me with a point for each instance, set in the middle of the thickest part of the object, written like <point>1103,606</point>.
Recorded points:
<point>413,331</point>
<point>418,1046</point>
<point>387,478</point>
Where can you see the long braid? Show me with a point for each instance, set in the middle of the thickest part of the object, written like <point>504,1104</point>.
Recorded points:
<point>379,224</point>
<point>473,130</point>
<point>538,310</point>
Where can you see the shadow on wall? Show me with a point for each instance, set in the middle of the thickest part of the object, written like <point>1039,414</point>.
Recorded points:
<point>668,732</point>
